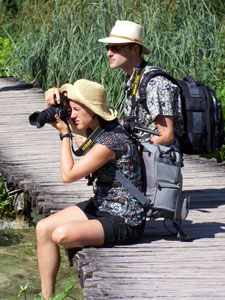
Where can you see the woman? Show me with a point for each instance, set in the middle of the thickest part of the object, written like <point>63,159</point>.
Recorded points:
<point>112,215</point>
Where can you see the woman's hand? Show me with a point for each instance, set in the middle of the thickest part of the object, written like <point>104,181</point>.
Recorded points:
<point>60,125</point>
<point>52,96</point>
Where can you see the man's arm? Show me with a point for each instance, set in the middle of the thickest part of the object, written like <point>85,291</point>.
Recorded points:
<point>161,97</point>
<point>164,125</point>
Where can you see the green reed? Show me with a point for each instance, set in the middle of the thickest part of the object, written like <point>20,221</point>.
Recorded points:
<point>6,202</point>
<point>59,40</point>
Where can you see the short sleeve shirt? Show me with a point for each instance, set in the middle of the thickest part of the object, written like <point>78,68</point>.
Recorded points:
<point>162,98</point>
<point>109,194</point>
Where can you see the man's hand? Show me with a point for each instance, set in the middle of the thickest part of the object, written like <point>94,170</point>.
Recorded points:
<point>164,125</point>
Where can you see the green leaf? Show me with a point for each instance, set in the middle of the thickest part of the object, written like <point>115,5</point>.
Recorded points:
<point>23,290</point>
<point>39,297</point>
<point>69,288</point>
<point>59,297</point>
<point>52,297</point>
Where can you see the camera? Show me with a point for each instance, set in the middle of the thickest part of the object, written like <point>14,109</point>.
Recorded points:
<point>48,115</point>
<point>130,126</point>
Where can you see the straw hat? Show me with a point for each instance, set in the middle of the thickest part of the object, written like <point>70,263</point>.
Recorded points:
<point>92,95</point>
<point>126,32</point>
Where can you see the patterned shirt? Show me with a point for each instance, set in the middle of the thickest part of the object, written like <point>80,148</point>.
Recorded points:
<point>110,195</point>
<point>162,98</point>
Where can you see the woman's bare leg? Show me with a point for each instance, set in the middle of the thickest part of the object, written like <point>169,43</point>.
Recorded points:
<point>69,228</point>
<point>79,234</point>
<point>49,262</point>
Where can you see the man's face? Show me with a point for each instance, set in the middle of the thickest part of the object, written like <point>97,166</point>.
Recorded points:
<point>119,55</point>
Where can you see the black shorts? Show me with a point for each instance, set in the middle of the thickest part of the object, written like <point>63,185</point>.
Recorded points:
<point>116,231</point>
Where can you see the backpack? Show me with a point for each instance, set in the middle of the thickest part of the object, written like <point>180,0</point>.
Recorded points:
<point>162,182</point>
<point>202,113</point>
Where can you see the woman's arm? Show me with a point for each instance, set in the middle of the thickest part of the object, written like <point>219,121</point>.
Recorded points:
<point>90,162</point>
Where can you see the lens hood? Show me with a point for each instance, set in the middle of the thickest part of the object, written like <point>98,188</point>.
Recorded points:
<point>33,119</point>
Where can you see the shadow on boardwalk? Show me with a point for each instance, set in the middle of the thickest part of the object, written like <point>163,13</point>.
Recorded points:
<point>158,266</point>
<point>18,87</point>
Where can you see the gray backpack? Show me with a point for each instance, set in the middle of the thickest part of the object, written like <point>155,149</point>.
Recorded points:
<point>162,194</point>
<point>162,182</point>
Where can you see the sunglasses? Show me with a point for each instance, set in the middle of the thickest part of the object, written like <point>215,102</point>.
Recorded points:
<point>115,49</point>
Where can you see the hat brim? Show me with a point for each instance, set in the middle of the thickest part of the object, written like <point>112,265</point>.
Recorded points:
<point>117,40</point>
<point>99,109</point>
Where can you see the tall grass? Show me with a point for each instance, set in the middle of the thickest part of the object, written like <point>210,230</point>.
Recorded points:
<point>59,40</point>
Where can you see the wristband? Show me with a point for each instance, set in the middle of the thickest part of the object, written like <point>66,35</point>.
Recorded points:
<point>62,136</point>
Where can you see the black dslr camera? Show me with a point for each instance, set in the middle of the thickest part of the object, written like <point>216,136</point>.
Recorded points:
<point>48,115</point>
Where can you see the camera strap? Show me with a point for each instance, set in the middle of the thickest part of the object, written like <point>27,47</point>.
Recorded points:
<point>89,141</point>
<point>139,72</point>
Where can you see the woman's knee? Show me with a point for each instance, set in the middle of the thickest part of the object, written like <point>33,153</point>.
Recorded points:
<point>62,236</point>
<point>59,236</point>
<point>79,234</point>
<point>43,229</point>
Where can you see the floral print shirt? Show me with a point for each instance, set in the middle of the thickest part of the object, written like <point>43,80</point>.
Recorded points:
<point>162,98</point>
<point>109,194</point>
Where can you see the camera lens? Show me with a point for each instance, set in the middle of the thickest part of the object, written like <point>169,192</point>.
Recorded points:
<point>48,115</point>
<point>45,116</point>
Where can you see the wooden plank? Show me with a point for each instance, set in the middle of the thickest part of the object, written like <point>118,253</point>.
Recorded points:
<point>157,267</point>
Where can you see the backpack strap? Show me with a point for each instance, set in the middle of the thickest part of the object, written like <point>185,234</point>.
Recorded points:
<point>147,77</point>
<point>179,233</point>
<point>132,189</point>
<point>191,86</point>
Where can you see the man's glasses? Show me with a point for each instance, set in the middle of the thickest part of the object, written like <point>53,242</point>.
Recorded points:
<point>115,49</point>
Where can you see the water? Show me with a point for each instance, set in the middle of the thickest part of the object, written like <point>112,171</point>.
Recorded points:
<point>18,223</point>
<point>19,266</point>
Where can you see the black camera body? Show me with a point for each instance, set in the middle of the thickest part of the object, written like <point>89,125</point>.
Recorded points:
<point>130,126</point>
<point>48,115</point>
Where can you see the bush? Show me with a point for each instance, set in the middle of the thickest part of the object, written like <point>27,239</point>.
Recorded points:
<point>6,202</point>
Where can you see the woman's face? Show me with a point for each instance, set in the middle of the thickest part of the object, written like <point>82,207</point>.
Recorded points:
<point>82,116</point>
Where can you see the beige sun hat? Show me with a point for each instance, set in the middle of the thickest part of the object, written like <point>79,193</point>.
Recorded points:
<point>126,32</point>
<point>92,95</point>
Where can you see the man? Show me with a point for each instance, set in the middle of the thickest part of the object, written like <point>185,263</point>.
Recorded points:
<point>163,113</point>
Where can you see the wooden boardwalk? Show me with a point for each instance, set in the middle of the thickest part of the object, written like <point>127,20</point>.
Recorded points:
<point>158,266</point>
